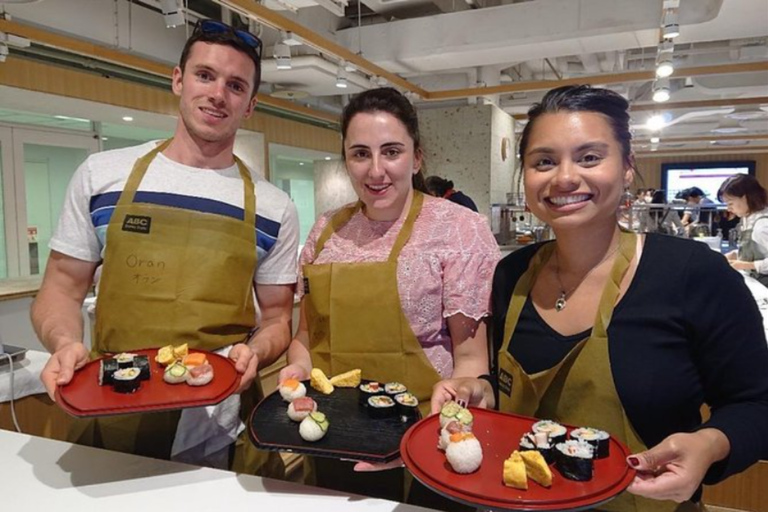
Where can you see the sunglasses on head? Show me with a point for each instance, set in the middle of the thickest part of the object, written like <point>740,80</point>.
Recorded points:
<point>217,27</point>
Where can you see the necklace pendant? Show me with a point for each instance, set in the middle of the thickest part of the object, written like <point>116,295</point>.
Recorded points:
<point>560,304</point>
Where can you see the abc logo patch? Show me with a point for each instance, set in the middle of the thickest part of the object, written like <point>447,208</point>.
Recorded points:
<point>137,223</point>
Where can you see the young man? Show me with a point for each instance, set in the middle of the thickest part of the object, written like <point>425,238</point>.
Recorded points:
<point>192,234</point>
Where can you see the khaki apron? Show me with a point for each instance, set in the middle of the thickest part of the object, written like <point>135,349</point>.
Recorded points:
<point>173,276</point>
<point>578,390</point>
<point>748,249</point>
<point>355,320</point>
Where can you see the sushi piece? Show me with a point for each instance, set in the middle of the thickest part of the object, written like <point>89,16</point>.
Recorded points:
<point>194,359</point>
<point>126,380</point>
<point>291,389</point>
<point>464,453</point>
<point>175,373</point>
<point>107,368</point>
<point>394,388</point>
<point>453,427</point>
<point>125,360</point>
<point>369,389</point>
<point>536,468</point>
<point>574,460</point>
<point>180,351</point>
<point>540,443</point>
<point>314,427</point>
<point>407,405</point>
<point>350,379</point>
<point>381,406</point>
<point>514,473</point>
<point>599,439</point>
<point>165,355</point>
<point>554,430</point>
<point>300,408</point>
<point>200,375</point>
<point>453,411</point>
<point>142,363</point>
<point>319,381</point>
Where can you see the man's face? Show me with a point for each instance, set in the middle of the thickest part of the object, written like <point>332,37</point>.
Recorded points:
<point>215,90</point>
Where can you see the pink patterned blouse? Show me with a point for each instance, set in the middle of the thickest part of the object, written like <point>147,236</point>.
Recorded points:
<point>445,268</point>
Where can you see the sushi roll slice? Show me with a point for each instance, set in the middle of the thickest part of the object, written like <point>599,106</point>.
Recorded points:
<point>407,405</point>
<point>291,389</point>
<point>453,427</point>
<point>200,375</point>
<point>381,406</point>
<point>107,368</point>
<point>369,389</point>
<point>126,380</point>
<point>300,408</point>
<point>538,442</point>
<point>464,453</point>
<point>599,439</point>
<point>394,388</point>
<point>125,359</point>
<point>175,373</point>
<point>313,427</point>
<point>142,363</point>
<point>554,430</point>
<point>453,411</point>
<point>574,460</point>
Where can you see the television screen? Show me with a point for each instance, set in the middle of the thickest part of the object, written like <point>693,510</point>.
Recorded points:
<point>708,176</point>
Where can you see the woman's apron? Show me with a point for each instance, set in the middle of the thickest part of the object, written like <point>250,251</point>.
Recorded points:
<point>355,320</point>
<point>172,276</point>
<point>748,248</point>
<point>579,390</point>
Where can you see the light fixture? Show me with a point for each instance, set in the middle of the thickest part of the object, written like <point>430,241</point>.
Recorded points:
<point>105,138</point>
<point>655,140</point>
<point>656,122</point>
<point>301,163</point>
<point>688,82</point>
<point>727,126</point>
<point>282,56</point>
<point>661,91</point>
<point>664,66</point>
<point>327,158</point>
<point>669,26</point>
<point>289,38</point>
<point>127,118</point>
<point>172,13</point>
<point>341,77</point>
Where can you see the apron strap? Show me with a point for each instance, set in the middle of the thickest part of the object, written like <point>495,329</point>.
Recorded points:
<point>627,250</point>
<point>249,194</point>
<point>137,174</point>
<point>337,221</point>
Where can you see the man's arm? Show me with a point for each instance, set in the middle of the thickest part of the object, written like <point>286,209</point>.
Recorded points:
<point>57,318</point>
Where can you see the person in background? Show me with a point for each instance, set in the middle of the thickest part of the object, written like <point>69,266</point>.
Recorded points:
<point>440,187</point>
<point>397,284</point>
<point>746,198</point>
<point>197,242</point>
<point>627,333</point>
<point>663,219</point>
<point>701,208</point>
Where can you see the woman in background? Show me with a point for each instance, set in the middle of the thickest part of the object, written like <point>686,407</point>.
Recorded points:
<point>440,187</point>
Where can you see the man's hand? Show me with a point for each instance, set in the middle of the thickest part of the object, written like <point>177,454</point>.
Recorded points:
<point>246,363</point>
<point>60,368</point>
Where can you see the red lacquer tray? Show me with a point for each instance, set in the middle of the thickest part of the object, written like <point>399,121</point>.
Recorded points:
<point>83,397</point>
<point>499,435</point>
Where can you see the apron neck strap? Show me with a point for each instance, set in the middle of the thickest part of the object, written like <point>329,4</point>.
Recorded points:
<point>249,193</point>
<point>612,290</point>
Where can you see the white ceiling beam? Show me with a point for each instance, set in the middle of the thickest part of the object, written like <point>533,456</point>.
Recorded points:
<point>336,7</point>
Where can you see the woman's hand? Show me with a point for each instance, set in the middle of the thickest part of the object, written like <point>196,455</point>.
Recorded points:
<point>292,371</point>
<point>471,391</point>
<point>742,265</point>
<point>674,469</point>
<point>732,256</point>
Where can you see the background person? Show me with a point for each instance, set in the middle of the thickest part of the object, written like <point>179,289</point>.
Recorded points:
<point>652,326</point>
<point>441,187</point>
<point>215,232</point>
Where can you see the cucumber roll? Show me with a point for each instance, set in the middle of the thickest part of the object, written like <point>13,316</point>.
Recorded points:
<point>125,360</point>
<point>126,380</point>
<point>142,363</point>
<point>107,369</point>
<point>407,405</point>
<point>394,388</point>
<point>574,460</point>
<point>599,439</point>
<point>369,389</point>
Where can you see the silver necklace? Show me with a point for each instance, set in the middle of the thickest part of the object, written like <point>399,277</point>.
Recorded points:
<point>560,303</point>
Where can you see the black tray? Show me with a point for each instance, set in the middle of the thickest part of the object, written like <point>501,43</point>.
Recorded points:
<point>16,353</point>
<point>352,434</point>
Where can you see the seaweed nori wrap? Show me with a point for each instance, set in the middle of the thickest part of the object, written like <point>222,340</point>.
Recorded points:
<point>107,368</point>
<point>574,460</point>
<point>126,380</point>
<point>142,363</point>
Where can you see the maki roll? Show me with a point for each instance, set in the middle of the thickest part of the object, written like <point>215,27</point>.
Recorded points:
<point>554,430</point>
<point>453,411</point>
<point>394,388</point>
<point>291,389</point>
<point>300,408</point>
<point>369,389</point>
<point>599,439</point>
<point>574,460</point>
<point>381,406</point>
<point>464,453</point>
<point>126,380</point>
<point>107,368</point>
<point>175,373</point>
<point>313,427</point>
<point>125,360</point>
<point>538,442</point>
<point>142,363</point>
<point>407,405</point>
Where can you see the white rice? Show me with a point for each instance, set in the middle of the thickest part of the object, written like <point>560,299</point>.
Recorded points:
<point>465,456</point>
<point>310,431</point>
<point>300,415</point>
<point>289,395</point>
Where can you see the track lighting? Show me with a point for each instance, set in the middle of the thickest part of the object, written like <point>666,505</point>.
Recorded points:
<point>282,56</point>
<point>172,13</point>
<point>661,92</point>
<point>341,77</point>
<point>669,26</point>
<point>664,66</point>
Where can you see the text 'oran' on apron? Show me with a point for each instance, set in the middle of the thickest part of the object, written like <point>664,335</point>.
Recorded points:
<point>356,320</point>
<point>579,390</point>
<point>173,276</point>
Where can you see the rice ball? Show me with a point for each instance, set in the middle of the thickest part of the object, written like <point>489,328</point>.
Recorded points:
<point>291,389</point>
<point>466,455</point>
<point>313,427</point>
<point>301,407</point>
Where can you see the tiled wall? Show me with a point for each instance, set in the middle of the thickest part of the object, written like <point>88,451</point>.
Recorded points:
<point>332,187</point>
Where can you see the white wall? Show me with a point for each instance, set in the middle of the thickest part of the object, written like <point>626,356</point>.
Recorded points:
<point>332,187</point>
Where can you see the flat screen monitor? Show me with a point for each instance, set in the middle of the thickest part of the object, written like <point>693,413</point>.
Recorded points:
<point>708,176</point>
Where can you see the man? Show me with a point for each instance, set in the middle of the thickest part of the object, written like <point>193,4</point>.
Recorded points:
<point>701,207</point>
<point>188,244</point>
<point>441,187</point>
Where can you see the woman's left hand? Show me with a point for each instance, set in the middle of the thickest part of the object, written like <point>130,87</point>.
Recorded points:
<point>742,265</point>
<point>674,469</point>
<point>363,467</point>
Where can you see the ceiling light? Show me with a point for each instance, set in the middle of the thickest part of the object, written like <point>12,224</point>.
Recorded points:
<point>745,113</point>
<point>127,118</point>
<point>666,47</point>
<point>661,91</point>
<point>655,140</point>
<point>105,138</point>
<point>656,122</point>
<point>301,163</point>
<point>729,126</point>
<point>290,38</point>
<point>327,158</point>
<point>282,56</point>
<point>688,82</point>
<point>669,26</point>
<point>664,67</point>
<point>172,13</point>
<point>341,77</point>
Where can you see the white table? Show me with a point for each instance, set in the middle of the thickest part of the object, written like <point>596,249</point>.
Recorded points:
<point>41,474</point>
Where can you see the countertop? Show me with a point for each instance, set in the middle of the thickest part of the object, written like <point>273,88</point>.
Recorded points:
<point>20,287</point>
<point>41,474</point>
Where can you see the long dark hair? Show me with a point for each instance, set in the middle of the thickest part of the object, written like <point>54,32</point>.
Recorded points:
<point>389,100</point>
<point>745,185</point>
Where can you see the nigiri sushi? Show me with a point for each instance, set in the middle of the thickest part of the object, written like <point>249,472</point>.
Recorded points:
<point>464,453</point>
<point>300,408</point>
<point>200,375</point>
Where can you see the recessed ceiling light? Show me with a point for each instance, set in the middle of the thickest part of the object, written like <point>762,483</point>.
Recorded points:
<point>301,163</point>
<point>105,138</point>
<point>656,123</point>
<point>127,118</point>
<point>327,158</point>
<point>654,140</point>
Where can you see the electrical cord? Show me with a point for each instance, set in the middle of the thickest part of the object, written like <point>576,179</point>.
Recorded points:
<point>13,409</point>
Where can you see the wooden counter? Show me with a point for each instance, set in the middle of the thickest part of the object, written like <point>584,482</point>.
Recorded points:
<point>19,288</point>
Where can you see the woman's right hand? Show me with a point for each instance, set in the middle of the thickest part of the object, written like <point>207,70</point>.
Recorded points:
<point>472,391</point>
<point>292,371</point>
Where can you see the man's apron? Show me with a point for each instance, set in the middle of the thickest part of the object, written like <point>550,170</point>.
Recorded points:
<point>748,249</point>
<point>172,276</point>
<point>579,390</point>
<point>355,320</point>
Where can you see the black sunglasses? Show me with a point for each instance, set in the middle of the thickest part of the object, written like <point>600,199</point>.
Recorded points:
<point>217,27</point>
